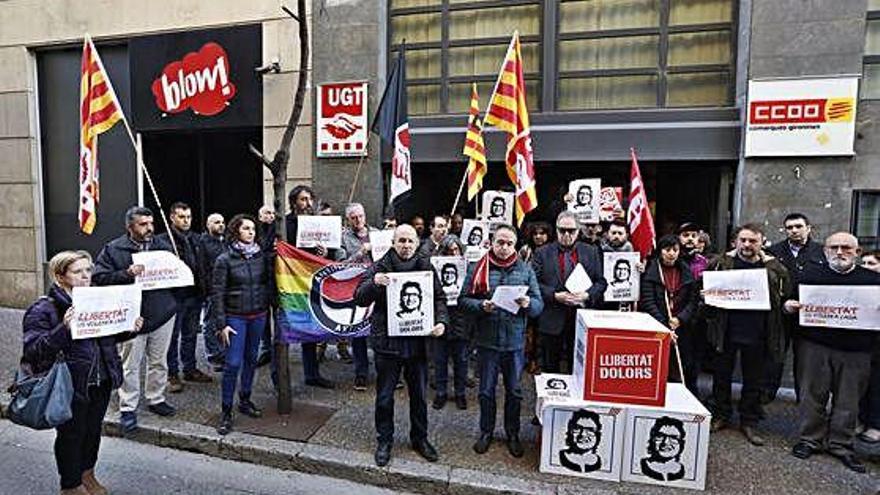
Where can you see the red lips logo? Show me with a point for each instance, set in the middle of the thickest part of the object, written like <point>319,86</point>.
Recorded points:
<point>199,81</point>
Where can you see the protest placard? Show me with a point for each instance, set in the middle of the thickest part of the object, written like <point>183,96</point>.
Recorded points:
<point>475,233</point>
<point>552,388</point>
<point>737,289</point>
<point>380,243</point>
<point>610,201</point>
<point>451,270</point>
<point>498,207</point>
<point>102,311</point>
<point>585,199</point>
<point>162,270</point>
<point>840,306</point>
<point>410,297</point>
<point>583,439</point>
<point>312,230</point>
<point>622,274</point>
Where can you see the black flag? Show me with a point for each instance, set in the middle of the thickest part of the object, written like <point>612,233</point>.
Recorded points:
<point>392,125</point>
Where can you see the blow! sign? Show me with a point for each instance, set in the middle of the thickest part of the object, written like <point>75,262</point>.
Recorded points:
<point>199,81</point>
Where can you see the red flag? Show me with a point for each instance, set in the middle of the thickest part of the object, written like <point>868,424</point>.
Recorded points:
<point>641,225</point>
<point>480,282</point>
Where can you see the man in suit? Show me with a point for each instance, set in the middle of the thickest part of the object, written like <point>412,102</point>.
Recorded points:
<point>553,263</point>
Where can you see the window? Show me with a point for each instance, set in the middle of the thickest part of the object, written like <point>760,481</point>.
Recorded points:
<point>866,218</point>
<point>452,43</point>
<point>616,54</point>
<point>871,71</point>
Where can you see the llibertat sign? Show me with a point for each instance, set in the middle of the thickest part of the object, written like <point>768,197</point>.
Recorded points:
<point>802,117</point>
<point>840,306</point>
<point>737,289</point>
<point>102,311</point>
<point>341,119</point>
<point>162,270</point>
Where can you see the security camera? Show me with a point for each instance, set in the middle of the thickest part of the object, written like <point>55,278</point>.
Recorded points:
<point>273,66</point>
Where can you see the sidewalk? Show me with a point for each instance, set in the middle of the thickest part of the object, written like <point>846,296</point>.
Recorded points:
<point>343,446</point>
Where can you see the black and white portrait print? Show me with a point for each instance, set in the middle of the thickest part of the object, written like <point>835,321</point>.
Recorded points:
<point>666,444</point>
<point>582,437</point>
<point>622,273</point>
<point>473,232</point>
<point>667,447</point>
<point>410,304</point>
<point>581,440</point>
<point>451,271</point>
<point>410,298</point>
<point>584,199</point>
<point>498,207</point>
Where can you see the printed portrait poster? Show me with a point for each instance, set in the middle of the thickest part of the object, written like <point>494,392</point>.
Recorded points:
<point>410,304</point>
<point>551,388</point>
<point>610,200</point>
<point>475,233</point>
<point>668,446</point>
<point>585,199</point>
<point>498,207</point>
<point>854,307</point>
<point>380,243</point>
<point>737,289</point>
<point>451,270</point>
<point>162,270</point>
<point>583,439</point>
<point>313,230</point>
<point>102,311</point>
<point>622,274</point>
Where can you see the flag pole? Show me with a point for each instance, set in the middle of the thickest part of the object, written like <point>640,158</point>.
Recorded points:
<point>357,172</point>
<point>669,315</point>
<point>140,174</point>
<point>460,189</point>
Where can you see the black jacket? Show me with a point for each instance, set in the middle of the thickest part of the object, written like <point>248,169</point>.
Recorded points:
<point>210,248</point>
<point>188,249</point>
<point>811,253</point>
<point>241,285</point>
<point>369,293</point>
<point>545,262</point>
<point>111,265</point>
<point>653,294</point>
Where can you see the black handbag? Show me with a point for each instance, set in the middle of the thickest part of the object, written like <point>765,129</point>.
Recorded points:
<point>42,401</point>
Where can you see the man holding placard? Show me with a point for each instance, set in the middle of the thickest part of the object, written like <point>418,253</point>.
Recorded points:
<point>400,354</point>
<point>834,360</point>
<point>741,323</point>
<point>114,266</point>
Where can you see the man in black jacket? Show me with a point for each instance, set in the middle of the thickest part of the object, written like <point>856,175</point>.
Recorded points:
<point>553,264</point>
<point>400,354</point>
<point>114,266</point>
<point>212,243</point>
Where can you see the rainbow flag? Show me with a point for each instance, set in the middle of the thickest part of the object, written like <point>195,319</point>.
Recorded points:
<point>316,297</point>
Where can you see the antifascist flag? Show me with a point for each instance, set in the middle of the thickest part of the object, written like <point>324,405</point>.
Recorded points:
<point>508,112</point>
<point>392,125</point>
<point>474,148</point>
<point>641,224</point>
<point>316,297</point>
<point>99,111</point>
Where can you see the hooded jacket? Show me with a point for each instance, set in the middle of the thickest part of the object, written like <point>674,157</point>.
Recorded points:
<point>652,298</point>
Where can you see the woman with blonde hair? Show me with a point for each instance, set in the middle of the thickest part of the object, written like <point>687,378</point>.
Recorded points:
<point>94,366</point>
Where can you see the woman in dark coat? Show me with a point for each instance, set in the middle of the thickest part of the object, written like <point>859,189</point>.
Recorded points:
<point>454,342</point>
<point>669,294</point>
<point>241,290</point>
<point>94,367</point>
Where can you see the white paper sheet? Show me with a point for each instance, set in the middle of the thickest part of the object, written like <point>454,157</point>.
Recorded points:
<point>505,297</point>
<point>578,280</point>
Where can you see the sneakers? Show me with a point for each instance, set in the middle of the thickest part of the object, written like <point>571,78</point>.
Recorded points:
<point>128,421</point>
<point>360,383</point>
<point>162,409</point>
<point>175,386</point>
<point>320,382</point>
<point>196,376</point>
<point>248,408</point>
<point>225,425</point>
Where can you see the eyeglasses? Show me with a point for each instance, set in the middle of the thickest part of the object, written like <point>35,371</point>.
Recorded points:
<point>566,230</point>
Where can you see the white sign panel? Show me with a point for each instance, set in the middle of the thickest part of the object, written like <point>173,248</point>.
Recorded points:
<point>552,388</point>
<point>380,243</point>
<point>162,270</point>
<point>583,439</point>
<point>102,311</point>
<point>498,207</point>
<point>475,233</point>
<point>341,119</point>
<point>802,117</point>
<point>325,230</point>
<point>840,306</point>
<point>622,274</point>
<point>737,289</point>
<point>505,297</point>
<point>410,298</point>
<point>451,271</point>
<point>585,199</point>
<point>610,199</point>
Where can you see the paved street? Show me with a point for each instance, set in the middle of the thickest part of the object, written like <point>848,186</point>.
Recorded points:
<point>27,466</point>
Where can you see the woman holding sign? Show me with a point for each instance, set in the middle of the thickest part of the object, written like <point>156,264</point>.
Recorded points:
<point>242,286</point>
<point>93,363</point>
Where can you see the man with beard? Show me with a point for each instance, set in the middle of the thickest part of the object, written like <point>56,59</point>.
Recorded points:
<point>617,238</point>
<point>833,362</point>
<point>582,437</point>
<point>394,355</point>
<point>665,446</point>
<point>689,237</point>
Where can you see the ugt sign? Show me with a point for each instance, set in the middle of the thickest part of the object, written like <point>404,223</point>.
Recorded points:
<point>342,119</point>
<point>199,81</point>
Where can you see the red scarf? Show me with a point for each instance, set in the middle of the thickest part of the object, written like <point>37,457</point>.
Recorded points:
<point>480,282</point>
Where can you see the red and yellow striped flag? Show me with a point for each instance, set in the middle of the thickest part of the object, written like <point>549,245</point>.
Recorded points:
<point>508,112</point>
<point>99,111</point>
<point>474,148</point>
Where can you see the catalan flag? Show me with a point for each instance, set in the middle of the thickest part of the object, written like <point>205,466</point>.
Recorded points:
<point>99,111</point>
<point>508,112</point>
<point>474,148</point>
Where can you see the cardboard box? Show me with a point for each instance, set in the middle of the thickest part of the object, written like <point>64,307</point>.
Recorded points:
<point>583,439</point>
<point>620,357</point>
<point>667,446</point>
<point>551,388</point>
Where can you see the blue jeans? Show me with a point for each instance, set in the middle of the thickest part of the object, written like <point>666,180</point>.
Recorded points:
<point>457,349</point>
<point>213,348</point>
<point>186,330</point>
<point>361,361</point>
<point>241,356</point>
<point>510,364</point>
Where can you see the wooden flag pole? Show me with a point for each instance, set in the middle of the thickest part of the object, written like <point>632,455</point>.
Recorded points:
<point>460,188</point>
<point>357,172</point>
<point>669,315</point>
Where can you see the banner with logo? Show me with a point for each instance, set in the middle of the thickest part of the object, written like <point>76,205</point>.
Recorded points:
<point>451,271</point>
<point>316,297</point>
<point>410,307</point>
<point>162,270</point>
<point>622,273</point>
<point>585,199</point>
<point>802,117</point>
<point>312,230</point>
<point>102,311</point>
<point>840,306</point>
<point>341,120</point>
<point>737,289</point>
<point>610,203</point>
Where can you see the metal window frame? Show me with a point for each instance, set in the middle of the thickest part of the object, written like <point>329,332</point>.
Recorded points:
<point>872,15</point>
<point>854,215</point>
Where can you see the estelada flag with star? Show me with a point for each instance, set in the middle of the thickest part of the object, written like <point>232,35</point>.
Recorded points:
<point>508,112</point>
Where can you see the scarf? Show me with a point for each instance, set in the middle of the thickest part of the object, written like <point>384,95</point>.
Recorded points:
<point>246,250</point>
<point>480,281</point>
<point>502,263</point>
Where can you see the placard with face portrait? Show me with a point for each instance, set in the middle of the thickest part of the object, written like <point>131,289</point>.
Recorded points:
<point>583,439</point>
<point>585,195</point>
<point>410,304</point>
<point>475,233</point>
<point>451,270</point>
<point>498,207</point>
<point>622,274</point>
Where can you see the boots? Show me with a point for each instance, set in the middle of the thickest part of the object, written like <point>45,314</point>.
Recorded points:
<point>91,484</point>
<point>80,490</point>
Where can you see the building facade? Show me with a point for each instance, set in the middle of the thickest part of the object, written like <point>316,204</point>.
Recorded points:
<point>668,78</point>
